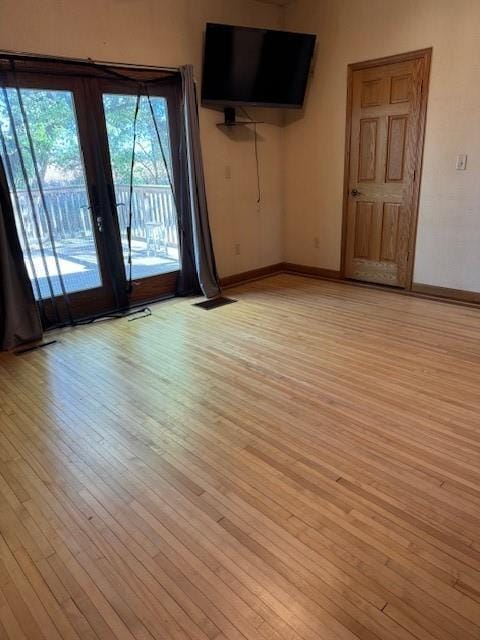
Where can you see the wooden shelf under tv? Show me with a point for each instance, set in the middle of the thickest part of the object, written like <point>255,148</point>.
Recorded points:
<point>224,125</point>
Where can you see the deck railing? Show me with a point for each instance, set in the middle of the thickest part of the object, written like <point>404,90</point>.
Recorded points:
<point>152,205</point>
<point>70,217</point>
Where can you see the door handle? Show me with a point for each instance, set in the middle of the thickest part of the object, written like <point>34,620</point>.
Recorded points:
<point>98,219</point>
<point>355,193</point>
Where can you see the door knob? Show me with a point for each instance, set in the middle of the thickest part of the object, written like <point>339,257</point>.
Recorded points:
<point>355,193</point>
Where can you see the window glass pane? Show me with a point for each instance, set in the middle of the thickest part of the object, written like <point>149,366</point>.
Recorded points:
<point>56,233</point>
<point>154,218</point>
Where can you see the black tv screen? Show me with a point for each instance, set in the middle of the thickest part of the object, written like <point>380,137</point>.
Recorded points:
<point>255,66</point>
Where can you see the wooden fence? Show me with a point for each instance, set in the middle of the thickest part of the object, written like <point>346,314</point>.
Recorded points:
<point>70,217</point>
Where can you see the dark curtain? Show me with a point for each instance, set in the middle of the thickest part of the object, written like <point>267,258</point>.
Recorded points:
<point>203,256</point>
<point>187,281</point>
<point>19,319</point>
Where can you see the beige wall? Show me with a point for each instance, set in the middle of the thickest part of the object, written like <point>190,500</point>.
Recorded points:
<point>301,163</point>
<point>170,32</point>
<point>448,245</point>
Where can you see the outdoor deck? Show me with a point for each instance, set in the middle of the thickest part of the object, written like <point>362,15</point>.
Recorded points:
<point>59,244</point>
<point>78,266</point>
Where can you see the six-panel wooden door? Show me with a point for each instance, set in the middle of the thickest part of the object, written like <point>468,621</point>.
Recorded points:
<point>385,127</point>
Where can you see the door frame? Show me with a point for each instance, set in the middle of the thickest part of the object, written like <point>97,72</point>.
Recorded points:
<point>426,56</point>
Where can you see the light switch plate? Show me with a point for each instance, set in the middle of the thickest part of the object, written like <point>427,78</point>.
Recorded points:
<point>462,162</point>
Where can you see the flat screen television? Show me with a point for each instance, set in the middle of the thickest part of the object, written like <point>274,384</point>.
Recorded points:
<point>259,67</point>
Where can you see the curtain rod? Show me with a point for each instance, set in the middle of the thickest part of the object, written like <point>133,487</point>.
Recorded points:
<point>20,55</point>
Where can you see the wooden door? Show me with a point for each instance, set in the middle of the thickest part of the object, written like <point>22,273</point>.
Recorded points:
<point>384,161</point>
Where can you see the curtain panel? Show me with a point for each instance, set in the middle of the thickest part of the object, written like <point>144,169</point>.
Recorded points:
<point>19,318</point>
<point>202,240</point>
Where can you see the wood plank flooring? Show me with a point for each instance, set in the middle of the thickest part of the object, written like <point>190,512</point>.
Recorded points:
<point>301,465</point>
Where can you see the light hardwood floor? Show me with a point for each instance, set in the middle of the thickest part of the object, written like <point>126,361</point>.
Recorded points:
<point>303,464</point>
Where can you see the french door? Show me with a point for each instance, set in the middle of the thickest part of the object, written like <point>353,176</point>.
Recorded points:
<point>143,178</point>
<point>92,179</point>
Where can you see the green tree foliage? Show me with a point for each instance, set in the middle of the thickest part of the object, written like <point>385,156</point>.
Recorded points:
<point>53,129</point>
<point>149,167</point>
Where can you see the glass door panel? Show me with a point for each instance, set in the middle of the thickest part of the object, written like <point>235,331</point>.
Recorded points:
<point>43,159</point>
<point>154,235</point>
